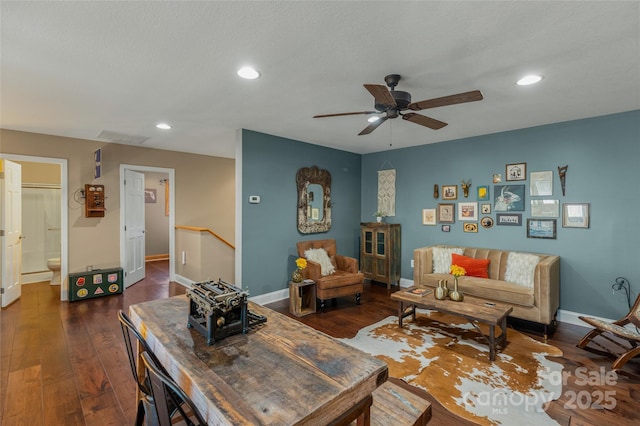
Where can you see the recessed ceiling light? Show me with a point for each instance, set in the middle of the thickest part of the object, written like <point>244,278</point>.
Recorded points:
<point>163,126</point>
<point>249,73</point>
<point>529,79</point>
<point>372,119</point>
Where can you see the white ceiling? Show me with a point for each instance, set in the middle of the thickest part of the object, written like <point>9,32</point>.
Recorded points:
<point>77,68</point>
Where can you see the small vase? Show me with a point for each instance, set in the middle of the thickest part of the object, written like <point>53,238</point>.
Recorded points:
<point>441,291</point>
<point>296,276</point>
<point>455,295</point>
<point>379,219</point>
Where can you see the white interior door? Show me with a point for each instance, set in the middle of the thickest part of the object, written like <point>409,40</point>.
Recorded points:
<point>11,226</point>
<point>134,227</point>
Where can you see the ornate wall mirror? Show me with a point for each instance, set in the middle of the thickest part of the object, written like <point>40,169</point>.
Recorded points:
<point>314,200</point>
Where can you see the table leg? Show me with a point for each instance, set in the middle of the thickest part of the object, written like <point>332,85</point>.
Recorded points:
<point>400,313</point>
<point>492,343</point>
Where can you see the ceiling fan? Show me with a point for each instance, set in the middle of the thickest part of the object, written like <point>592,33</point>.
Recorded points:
<point>393,102</point>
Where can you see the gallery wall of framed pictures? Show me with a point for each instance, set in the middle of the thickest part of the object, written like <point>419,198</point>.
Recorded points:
<point>516,199</point>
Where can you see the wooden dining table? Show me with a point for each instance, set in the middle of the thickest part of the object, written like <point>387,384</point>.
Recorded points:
<point>281,372</point>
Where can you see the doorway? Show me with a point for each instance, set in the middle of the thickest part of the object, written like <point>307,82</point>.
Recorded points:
<point>127,210</point>
<point>63,206</point>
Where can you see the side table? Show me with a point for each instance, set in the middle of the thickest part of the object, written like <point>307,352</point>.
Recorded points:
<point>302,298</point>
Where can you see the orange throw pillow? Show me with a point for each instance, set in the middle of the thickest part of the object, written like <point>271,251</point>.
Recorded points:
<point>474,267</point>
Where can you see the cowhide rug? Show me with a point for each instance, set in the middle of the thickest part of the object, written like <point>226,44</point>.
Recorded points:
<point>445,356</point>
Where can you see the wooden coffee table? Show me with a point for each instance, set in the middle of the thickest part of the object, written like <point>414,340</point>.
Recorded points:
<point>474,309</point>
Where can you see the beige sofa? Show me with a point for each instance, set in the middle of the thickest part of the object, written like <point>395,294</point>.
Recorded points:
<point>538,303</point>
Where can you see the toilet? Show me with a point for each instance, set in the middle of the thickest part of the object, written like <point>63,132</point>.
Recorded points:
<point>54,265</point>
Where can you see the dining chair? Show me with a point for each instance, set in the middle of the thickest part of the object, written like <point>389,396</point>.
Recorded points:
<point>145,413</point>
<point>145,403</point>
<point>164,389</point>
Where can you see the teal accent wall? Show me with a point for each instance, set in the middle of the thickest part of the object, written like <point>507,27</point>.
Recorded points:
<point>269,229</point>
<point>603,155</point>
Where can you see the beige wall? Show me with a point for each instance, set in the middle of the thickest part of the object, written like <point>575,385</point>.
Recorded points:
<point>204,186</point>
<point>40,172</point>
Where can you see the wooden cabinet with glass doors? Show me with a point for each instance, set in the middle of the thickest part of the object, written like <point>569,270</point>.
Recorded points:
<point>380,252</point>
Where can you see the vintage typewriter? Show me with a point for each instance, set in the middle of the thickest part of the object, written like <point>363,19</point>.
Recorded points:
<point>219,309</point>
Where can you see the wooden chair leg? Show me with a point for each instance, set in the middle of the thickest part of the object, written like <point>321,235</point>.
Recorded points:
<point>622,359</point>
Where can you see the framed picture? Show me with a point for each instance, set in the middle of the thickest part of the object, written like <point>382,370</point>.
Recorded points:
<point>486,222</point>
<point>428,216</point>
<point>508,219</point>
<point>497,178</point>
<point>470,227</point>
<point>508,198</point>
<point>545,208</point>
<point>483,193</point>
<point>485,208</point>
<point>468,211</point>
<point>541,228</point>
<point>449,192</point>
<point>575,215</point>
<point>517,171</point>
<point>446,213</point>
<point>446,228</point>
<point>150,195</point>
<point>541,183</point>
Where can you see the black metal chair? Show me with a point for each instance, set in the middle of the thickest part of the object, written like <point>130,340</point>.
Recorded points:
<point>164,390</point>
<point>146,409</point>
<point>145,404</point>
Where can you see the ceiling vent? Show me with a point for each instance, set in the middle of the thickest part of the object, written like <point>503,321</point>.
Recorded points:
<point>124,138</point>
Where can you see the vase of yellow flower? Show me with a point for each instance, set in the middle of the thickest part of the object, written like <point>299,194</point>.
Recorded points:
<point>296,276</point>
<point>456,271</point>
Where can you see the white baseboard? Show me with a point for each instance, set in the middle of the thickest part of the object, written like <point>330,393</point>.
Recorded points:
<point>36,277</point>
<point>274,296</point>
<point>183,281</point>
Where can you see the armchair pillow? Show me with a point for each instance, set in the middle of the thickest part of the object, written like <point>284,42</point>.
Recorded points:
<point>320,256</point>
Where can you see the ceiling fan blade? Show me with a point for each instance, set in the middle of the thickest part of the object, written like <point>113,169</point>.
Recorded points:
<point>381,94</point>
<point>460,98</point>
<point>371,127</point>
<point>346,113</point>
<point>423,120</point>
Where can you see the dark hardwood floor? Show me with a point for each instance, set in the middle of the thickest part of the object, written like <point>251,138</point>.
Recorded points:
<point>64,363</point>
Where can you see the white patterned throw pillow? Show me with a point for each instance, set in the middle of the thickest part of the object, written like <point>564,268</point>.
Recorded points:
<point>320,256</point>
<point>442,258</point>
<point>521,268</point>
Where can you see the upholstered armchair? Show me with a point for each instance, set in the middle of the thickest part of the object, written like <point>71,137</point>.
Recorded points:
<point>344,281</point>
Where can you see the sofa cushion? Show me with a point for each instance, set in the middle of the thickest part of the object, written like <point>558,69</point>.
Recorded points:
<point>320,256</point>
<point>521,268</point>
<point>473,267</point>
<point>442,258</point>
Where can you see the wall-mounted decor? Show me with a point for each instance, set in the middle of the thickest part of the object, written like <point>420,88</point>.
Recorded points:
<point>470,227</point>
<point>446,228</point>
<point>150,195</point>
<point>483,193</point>
<point>436,193</point>
<point>465,187</point>
<point>387,191</point>
<point>509,219</point>
<point>545,208</point>
<point>446,213</point>
<point>317,181</point>
<point>541,183</point>
<point>508,198</point>
<point>485,208</point>
<point>575,215</point>
<point>517,171</point>
<point>562,173</point>
<point>449,192</point>
<point>497,177</point>
<point>468,211</point>
<point>428,216</point>
<point>541,228</point>
<point>486,222</point>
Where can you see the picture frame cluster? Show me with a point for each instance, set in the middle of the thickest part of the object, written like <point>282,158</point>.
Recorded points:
<point>505,204</point>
